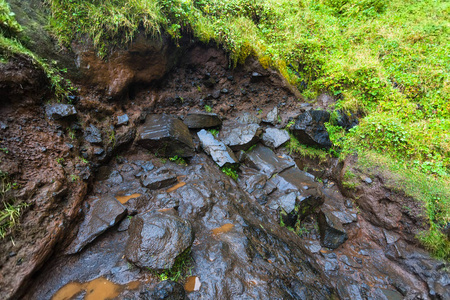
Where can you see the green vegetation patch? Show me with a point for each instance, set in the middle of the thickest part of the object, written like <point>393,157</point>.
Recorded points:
<point>181,269</point>
<point>11,210</point>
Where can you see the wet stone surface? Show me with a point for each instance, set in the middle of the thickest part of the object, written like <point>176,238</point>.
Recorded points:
<point>60,111</point>
<point>241,137</point>
<point>156,239</point>
<point>309,128</point>
<point>158,179</point>
<point>218,151</point>
<point>202,120</point>
<point>274,138</point>
<point>166,136</point>
<point>104,213</point>
<point>332,232</point>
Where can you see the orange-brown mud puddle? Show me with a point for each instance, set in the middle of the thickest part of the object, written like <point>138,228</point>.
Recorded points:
<point>97,289</point>
<point>222,229</point>
<point>124,198</point>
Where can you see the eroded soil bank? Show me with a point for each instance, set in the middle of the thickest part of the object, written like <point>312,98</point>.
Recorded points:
<point>93,185</point>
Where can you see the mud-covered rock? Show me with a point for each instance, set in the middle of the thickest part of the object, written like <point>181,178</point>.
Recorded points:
<point>309,128</point>
<point>156,239</point>
<point>241,137</point>
<point>165,290</point>
<point>159,179</point>
<point>166,136</point>
<point>105,212</point>
<point>219,152</point>
<point>332,233</point>
<point>202,120</point>
<point>93,135</point>
<point>60,111</point>
<point>274,138</point>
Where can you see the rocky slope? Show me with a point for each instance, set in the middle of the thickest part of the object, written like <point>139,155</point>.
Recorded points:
<point>112,204</point>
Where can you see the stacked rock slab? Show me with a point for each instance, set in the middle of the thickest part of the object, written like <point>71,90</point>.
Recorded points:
<point>202,120</point>
<point>309,128</point>
<point>166,136</point>
<point>219,152</point>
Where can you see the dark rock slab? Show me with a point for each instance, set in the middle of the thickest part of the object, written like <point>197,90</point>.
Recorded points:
<point>264,160</point>
<point>105,212</point>
<point>93,135</point>
<point>274,138</point>
<point>286,202</point>
<point>156,239</point>
<point>122,120</point>
<point>309,128</point>
<point>159,179</point>
<point>248,118</point>
<point>241,137</point>
<point>60,111</point>
<point>166,136</point>
<point>219,152</point>
<point>165,290</point>
<point>202,120</point>
<point>332,233</point>
<point>272,116</point>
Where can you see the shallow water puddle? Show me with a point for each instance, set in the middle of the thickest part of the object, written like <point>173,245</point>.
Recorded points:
<point>222,229</point>
<point>192,284</point>
<point>123,198</point>
<point>176,186</point>
<point>97,289</point>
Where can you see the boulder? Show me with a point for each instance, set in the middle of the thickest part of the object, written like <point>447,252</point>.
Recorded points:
<point>274,138</point>
<point>309,128</point>
<point>105,212</point>
<point>332,233</point>
<point>264,160</point>
<point>220,153</point>
<point>156,239</point>
<point>241,137</point>
<point>60,111</point>
<point>166,136</point>
<point>159,179</point>
<point>202,120</point>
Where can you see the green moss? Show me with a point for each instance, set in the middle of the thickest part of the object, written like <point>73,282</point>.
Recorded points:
<point>294,146</point>
<point>231,172</point>
<point>180,269</point>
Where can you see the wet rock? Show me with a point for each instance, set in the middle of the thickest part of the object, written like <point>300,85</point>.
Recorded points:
<point>166,136</point>
<point>122,120</point>
<point>123,226</point>
<point>93,135</point>
<point>274,138</point>
<point>391,237</point>
<point>309,128</point>
<point>156,239</point>
<point>241,137</point>
<point>159,179</point>
<point>367,180</point>
<point>219,152</point>
<point>332,233</point>
<point>313,246</point>
<point>264,160</point>
<point>216,94</point>
<point>286,202</point>
<point>350,262</point>
<point>272,116</point>
<point>60,111</point>
<point>202,120</point>
<point>345,217</point>
<point>248,118</point>
<point>115,178</point>
<point>165,290</point>
<point>347,120</point>
<point>105,212</point>
<point>3,126</point>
